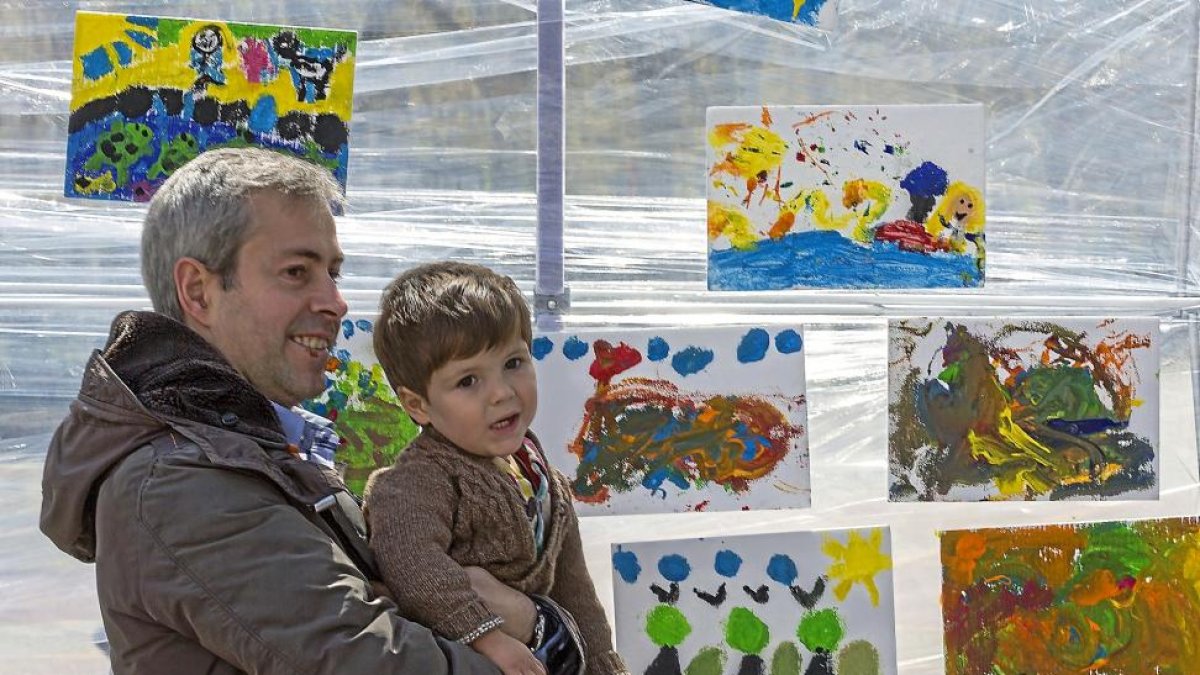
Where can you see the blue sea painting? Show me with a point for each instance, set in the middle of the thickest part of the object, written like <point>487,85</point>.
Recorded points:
<point>829,260</point>
<point>846,197</point>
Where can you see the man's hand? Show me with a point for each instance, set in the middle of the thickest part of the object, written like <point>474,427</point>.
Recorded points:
<point>509,655</point>
<point>517,610</point>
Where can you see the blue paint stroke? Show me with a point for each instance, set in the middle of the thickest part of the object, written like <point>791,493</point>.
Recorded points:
<point>146,21</point>
<point>781,568</point>
<point>862,146</point>
<point>626,564</point>
<point>753,346</point>
<point>788,341</point>
<point>264,115</point>
<point>826,259</point>
<point>347,328</point>
<point>574,348</point>
<point>691,360</point>
<point>727,563</point>
<point>927,180</point>
<point>542,346</point>
<point>124,53</point>
<point>674,567</point>
<point>658,349</point>
<point>96,64</point>
<point>363,325</point>
<point>146,40</point>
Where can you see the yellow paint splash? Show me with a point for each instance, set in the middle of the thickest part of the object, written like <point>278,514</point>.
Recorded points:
<point>856,562</point>
<point>729,222</point>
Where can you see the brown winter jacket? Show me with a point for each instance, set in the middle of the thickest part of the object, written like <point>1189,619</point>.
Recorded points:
<point>439,509</point>
<point>216,550</point>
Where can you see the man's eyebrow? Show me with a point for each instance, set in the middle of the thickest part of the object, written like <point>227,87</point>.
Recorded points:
<point>313,256</point>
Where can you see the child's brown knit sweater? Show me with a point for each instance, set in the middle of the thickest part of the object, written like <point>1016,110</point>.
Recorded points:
<point>440,509</point>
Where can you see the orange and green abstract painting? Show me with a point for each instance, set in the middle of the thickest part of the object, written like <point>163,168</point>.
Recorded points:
<point>368,418</point>
<point>1112,598</point>
<point>661,421</point>
<point>845,197</point>
<point>787,603</point>
<point>1023,409</point>
<point>150,93</point>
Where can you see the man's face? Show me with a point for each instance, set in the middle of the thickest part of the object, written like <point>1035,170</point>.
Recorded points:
<point>282,314</point>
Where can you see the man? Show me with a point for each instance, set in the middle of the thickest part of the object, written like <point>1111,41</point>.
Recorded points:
<point>222,542</point>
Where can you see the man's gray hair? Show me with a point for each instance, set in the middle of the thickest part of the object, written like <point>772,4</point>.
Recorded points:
<point>202,211</point>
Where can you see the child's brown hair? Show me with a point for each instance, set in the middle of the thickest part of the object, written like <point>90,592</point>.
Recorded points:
<point>438,312</point>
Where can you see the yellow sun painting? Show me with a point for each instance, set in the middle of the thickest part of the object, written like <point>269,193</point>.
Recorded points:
<point>856,561</point>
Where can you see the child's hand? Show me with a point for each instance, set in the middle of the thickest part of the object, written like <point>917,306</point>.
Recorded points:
<point>508,654</point>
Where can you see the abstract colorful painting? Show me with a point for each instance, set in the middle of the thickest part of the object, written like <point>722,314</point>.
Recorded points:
<point>150,93</point>
<point>372,425</point>
<point>819,13</point>
<point>817,603</point>
<point>1023,409</point>
<point>678,420</point>
<point>1117,598</point>
<point>845,197</point>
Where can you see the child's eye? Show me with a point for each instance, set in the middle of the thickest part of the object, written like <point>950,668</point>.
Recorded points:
<point>295,272</point>
<point>466,381</point>
<point>514,363</point>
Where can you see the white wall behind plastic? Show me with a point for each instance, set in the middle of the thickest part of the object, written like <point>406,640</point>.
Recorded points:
<point>1090,148</point>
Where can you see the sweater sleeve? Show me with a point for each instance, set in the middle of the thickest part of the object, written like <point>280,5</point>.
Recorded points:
<point>574,590</point>
<point>410,511</point>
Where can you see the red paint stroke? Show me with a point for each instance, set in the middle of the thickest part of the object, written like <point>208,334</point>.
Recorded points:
<point>910,235</point>
<point>611,361</point>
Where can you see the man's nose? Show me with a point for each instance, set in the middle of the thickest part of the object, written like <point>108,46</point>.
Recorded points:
<point>329,299</point>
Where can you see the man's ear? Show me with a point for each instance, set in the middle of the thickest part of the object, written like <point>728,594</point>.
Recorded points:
<point>192,289</point>
<point>414,404</point>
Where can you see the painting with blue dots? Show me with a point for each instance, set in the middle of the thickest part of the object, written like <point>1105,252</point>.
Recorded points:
<point>676,420</point>
<point>784,603</point>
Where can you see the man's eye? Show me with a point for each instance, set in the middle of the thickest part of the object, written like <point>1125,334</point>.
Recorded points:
<point>336,275</point>
<point>295,272</point>
<point>466,381</point>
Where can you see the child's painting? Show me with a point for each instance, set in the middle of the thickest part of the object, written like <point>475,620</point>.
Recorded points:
<point>1023,409</point>
<point>845,197</point>
<point>368,418</point>
<point>818,603</point>
<point>818,13</point>
<point>1119,598</point>
<point>148,94</point>
<point>678,420</point>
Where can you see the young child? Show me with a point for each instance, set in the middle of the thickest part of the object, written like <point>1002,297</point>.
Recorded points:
<point>474,489</point>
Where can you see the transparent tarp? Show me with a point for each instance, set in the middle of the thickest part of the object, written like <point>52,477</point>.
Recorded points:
<point>1091,136</point>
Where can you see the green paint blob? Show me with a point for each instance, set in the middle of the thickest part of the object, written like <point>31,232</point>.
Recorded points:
<point>787,659</point>
<point>667,626</point>
<point>858,658</point>
<point>710,661</point>
<point>746,632</point>
<point>823,629</point>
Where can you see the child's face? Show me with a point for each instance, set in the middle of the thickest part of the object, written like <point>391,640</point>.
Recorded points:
<point>484,403</point>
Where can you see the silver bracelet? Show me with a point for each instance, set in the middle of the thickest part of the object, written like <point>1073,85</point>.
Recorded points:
<point>539,631</point>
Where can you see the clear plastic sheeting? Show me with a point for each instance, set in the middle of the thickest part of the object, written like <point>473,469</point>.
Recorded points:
<point>1091,143</point>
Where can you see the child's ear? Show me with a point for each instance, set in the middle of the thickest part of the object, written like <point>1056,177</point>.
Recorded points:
<point>414,404</point>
